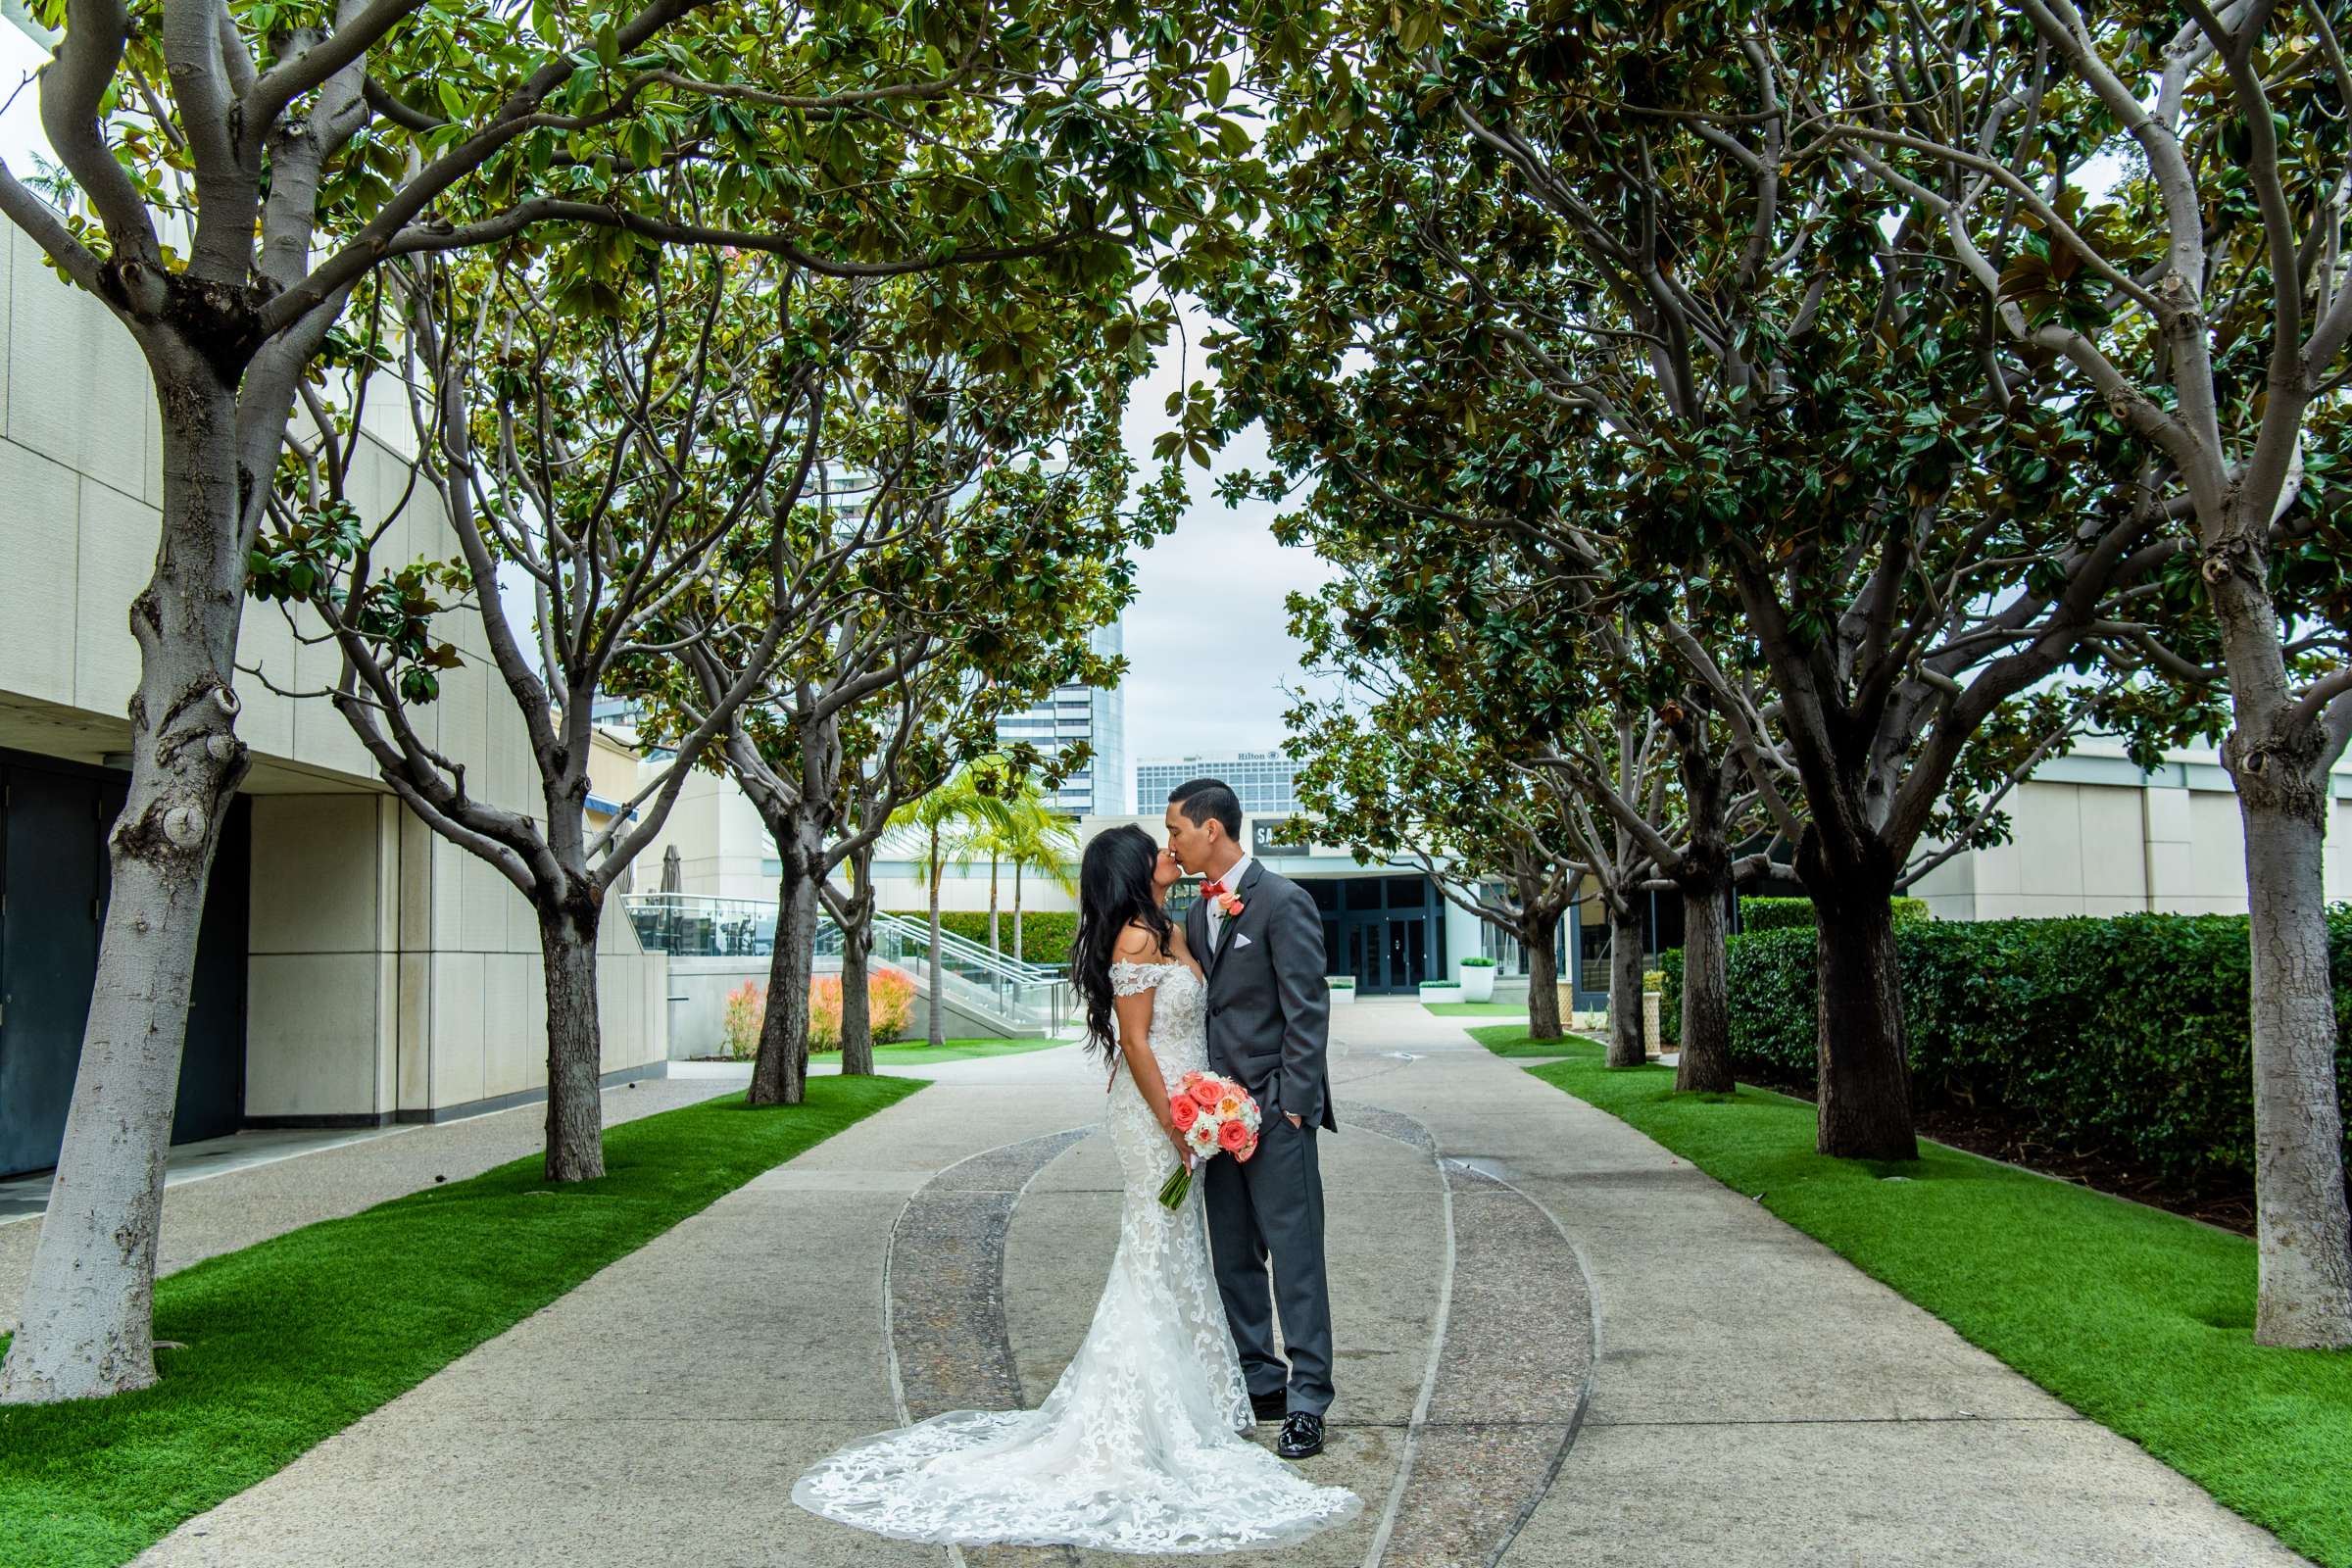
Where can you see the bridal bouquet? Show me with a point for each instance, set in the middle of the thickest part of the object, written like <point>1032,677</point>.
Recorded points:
<point>1216,1115</point>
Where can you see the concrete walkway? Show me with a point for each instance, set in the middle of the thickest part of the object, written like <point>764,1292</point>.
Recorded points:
<point>1557,1344</point>
<point>268,1183</point>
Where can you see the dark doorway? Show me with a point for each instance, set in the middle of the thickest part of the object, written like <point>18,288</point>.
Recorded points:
<point>1387,931</point>
<point>54,818</point>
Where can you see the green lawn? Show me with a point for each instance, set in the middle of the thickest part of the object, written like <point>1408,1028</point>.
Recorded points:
<point>1513,1040</point>
<point>2139,1319</point>
<point>291,1341</point>
<point>904,1054</point>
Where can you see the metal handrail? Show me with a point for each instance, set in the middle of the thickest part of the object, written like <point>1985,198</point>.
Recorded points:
<point>1015,993</point>
<point>965,947</point>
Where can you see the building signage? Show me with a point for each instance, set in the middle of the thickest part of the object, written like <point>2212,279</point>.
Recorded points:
<point>1282,835</point>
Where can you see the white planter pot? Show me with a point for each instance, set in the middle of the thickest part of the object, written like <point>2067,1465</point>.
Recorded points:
<point>1440,991</point>
<point>1478,981</point>
<point>1343,996</point>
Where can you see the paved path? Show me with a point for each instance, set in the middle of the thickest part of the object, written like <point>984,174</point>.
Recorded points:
<point>220,1213</point>
<point>1558,1344</point>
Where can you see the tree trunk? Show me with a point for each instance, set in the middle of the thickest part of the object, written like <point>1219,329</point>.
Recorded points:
<point>1864,1098</point>
<point>857,968</point>
<point>1625,1047</point>
<point>857,1003</point>
<point>1705,1064</point>
<point>575,1047</point>
<point>87,1326</point>
<point>1018,950</point>
<point>2305,1296</point>
<point>1542,977</point>
<point>992,946</point>
<point>781,1076</point>
<point>938,1034</point>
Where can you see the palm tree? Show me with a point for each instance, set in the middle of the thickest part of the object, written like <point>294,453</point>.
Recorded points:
<point>954,820</point>
<point>1041,841</point>
<point>1031,837</point>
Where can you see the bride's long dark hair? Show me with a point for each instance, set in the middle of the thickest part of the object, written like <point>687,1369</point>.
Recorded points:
<point>1114,892</point>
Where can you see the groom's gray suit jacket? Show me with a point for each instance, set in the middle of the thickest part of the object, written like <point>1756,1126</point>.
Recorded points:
<point>1268,1011</point>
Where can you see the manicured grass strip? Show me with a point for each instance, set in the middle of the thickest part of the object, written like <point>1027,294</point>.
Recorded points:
<point>1513,1040</point>
<point>914,1055</point>
<point>1477,1010</point>
<point>292,1340</point>
<point>2139,1319</point>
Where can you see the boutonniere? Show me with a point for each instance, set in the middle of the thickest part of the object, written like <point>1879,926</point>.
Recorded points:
<point>1232,906</point>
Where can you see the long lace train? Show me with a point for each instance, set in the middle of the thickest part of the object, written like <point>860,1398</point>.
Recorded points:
<point>1137,1447</point>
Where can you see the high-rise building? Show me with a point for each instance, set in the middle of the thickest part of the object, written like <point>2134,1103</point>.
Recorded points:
<point>1075,713</point>
<point>1264,780</point>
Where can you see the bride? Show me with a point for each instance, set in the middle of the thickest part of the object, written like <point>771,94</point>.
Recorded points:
<point>1138,1448</point>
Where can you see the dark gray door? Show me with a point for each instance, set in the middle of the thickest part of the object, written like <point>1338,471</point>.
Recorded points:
<point>48,955</point>
<point>54,818</point>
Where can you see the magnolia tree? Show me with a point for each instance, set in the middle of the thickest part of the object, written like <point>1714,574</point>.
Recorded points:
<point>1410,779</point>
<point>240,167</point>
<point>616,466</point>
<point>2154,201</point>
<point>1807,423</point>
<point>989,561</point>
<point>1646,790</point>
<point>897,748</point>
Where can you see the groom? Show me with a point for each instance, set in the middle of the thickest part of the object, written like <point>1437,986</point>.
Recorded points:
<point>1261,943</point>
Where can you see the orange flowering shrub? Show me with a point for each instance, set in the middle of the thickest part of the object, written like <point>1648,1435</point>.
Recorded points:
<point>739,1033</point>
<point>889,1002</point>
<point>890,992</point>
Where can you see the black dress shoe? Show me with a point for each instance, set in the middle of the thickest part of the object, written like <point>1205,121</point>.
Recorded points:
<point>1302,1436</point>
<point>1270,1406</point>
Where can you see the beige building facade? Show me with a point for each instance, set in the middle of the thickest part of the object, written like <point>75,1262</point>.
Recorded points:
<point>2091,834</point>
<point>356,969</point>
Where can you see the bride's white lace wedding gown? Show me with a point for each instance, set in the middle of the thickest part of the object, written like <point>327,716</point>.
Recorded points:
<point>1138,1446</point>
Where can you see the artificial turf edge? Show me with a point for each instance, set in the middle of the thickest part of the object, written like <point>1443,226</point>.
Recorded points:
<point>292,1340</point>
<point>2137,1318</point>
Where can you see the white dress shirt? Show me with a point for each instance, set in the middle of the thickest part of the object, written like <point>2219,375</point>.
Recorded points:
<point>1216,911</point>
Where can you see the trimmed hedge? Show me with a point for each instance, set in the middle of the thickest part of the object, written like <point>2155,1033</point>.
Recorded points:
<point>2127,1036</point>
<point>1755,914</point>
<point>1780,914</point>
<point>1046,934</point>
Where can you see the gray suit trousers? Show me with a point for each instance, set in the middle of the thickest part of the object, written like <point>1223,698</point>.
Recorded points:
<point>1272,1207</point>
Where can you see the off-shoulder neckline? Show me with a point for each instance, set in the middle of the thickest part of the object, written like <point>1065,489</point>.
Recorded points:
<point>1158,963</point>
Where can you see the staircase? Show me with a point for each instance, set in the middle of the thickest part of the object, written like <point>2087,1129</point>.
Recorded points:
<point>1016,998</point>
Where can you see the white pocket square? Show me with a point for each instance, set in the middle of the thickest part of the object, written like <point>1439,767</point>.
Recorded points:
<point>1240,941</point>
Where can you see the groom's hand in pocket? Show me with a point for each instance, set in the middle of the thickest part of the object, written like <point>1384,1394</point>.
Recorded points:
<point>1293,1121</point>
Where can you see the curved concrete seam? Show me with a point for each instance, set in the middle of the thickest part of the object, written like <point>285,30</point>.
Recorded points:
<point>1583,1393</point>
<point>1437,1351</point>
<point>1420,1415</point>
<point>890,1254</point>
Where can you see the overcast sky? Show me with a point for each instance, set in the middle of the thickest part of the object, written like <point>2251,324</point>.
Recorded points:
<point>1208,650</point>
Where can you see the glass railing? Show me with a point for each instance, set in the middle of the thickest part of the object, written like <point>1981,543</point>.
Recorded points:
<point>989,985</point>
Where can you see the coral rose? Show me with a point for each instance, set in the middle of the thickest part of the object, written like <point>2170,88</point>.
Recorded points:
<point>1233,1137</point>
<point>1206,1092</point>
<point>1185,1111</point>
